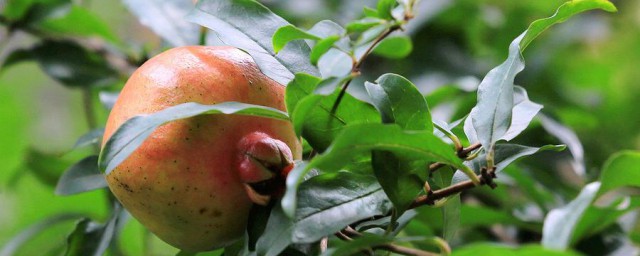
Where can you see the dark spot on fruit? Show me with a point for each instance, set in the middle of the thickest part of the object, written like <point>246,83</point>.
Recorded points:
<point>202,210</point>
<point>216,213</point>
<point>172,188</point>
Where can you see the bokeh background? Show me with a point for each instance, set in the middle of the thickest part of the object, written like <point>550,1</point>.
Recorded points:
<point>585,72</point>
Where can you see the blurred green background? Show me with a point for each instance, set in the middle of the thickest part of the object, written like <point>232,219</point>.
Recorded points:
<point>585,73</point>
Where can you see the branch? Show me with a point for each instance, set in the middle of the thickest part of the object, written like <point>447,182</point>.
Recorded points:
<point>486,178</point>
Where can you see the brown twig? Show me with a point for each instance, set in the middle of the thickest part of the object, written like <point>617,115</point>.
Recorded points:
<point>486,178</point>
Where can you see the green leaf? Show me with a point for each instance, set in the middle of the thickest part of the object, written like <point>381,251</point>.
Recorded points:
<point>360,139</point>
<point>620,170</point>
<point>256,224</point>
<point>288,33</point>
<point>505,154</point>
<point>596,219</point>
<point>394,47</point>
<point>167,19</point>
<point>312,115</point>
<point>108,99</point>
<point>402,179</point>
<point>505,250</point>
<point>46,167</point>
<point>399,101</point>
<point>15,10</point>
<point>451,217</point>
<point>357,245</point>
<point>492,115</point>
<point>563,13</point>
<point>560,223</point>
<point>12,246</point>
<point>362,25</point>
<point>322,47</point>
<point>523,112</point>
<point>90,237</point>
<point>15,57</point>
<point>385,7</point>
<point>370,12</point>
<point>93,137</point>
<point>301,86</point>
<point>567,136</point>
<point>78,22</point>
<point>134,131</point>
<point>329,202</point>
<point>330,60</point>
<point>81,177</point>
<point>278,234</point>
<point>73,65</point>
<point>249,25</point>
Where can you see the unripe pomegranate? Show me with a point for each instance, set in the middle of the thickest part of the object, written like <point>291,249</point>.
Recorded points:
<point>193,181</point>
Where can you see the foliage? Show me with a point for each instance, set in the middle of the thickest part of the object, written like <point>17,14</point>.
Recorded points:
<point>394,162</point>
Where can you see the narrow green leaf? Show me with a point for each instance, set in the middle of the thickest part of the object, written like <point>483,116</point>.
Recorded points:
<point>15,57</point>
<point>90,237</point>
<point>249,25</point>
<point>567,136</point>
<point>329,202</point>
<point>108,99</point>
<point>561,222</point>
<point>597,218</point>
<point>360,139</point>
<point>523,112</point>
<point>288,33</point>
<point>81,177</point>
<point>620,170</point>
<point>394,47</point>
<point>46,167</point>
<point>362,25</point>
<point>491,117</point>
<point>330,60</point>
<point>93,137</point>
<point>134,131</point>
<point>563,13</point>
<point>370,12</point>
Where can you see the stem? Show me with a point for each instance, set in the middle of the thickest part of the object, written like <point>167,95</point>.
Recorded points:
<point>355,69</point>
<point>89,113</point>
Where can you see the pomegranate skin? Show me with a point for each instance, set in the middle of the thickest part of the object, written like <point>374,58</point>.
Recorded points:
<point>183,183</point>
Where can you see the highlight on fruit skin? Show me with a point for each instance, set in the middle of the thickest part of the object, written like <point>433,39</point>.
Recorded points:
<point>193,181</point>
